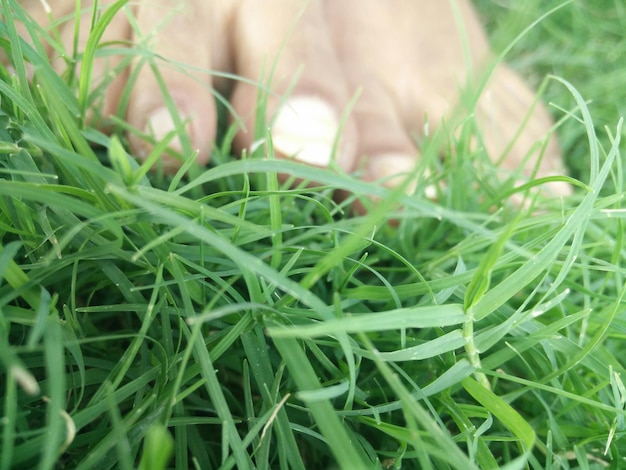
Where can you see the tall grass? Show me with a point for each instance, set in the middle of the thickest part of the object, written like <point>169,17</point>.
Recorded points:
<point>221,319</point>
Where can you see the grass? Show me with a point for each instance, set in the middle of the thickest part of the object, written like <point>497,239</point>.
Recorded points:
<point>221,319</point>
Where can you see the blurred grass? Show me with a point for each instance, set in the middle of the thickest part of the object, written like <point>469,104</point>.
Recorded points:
<point>221,319</point>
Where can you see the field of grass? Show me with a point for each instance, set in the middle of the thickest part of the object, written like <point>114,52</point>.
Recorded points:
<point>220,318</point>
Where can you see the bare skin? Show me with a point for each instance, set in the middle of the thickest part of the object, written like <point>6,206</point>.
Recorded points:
<point>405,59</point>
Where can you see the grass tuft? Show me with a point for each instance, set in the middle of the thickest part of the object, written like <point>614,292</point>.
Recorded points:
<point>223,318</point>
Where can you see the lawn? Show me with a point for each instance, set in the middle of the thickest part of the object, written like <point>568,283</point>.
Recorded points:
<point>222,318</point>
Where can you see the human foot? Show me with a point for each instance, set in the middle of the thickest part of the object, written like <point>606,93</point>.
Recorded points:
<point>409,63</point>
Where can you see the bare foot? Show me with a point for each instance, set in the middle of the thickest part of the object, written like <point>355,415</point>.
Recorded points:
<point>410,61</point>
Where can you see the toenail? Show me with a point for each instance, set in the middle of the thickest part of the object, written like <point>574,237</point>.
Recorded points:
<point>392,169</point>
<point>305,129</point>
<point>160,123</point>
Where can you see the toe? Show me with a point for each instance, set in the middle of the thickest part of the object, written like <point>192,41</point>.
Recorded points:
<point>173,96</point>
<point>516,130</point>
<point>386,151</point>
<point>30,12</point>
<point>286,48</point>
<point>56,36</point>
<point>108,71</point>
<point>306,128</point>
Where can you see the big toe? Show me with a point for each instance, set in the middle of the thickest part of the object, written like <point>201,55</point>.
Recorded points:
<point>301,94</point>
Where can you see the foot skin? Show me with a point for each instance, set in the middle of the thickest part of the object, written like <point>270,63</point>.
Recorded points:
<point>408,65</point>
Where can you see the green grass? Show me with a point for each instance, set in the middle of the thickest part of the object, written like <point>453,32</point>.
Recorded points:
<point>221,319</point>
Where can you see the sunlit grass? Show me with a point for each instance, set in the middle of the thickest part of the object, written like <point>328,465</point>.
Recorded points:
<point>222,319</point>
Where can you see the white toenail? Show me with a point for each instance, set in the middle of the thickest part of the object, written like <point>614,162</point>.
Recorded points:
<point>46,7</point>
<point>160,123</point>
<point>392,169</point>
<point>305,129</point>
<point>431,192</point>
